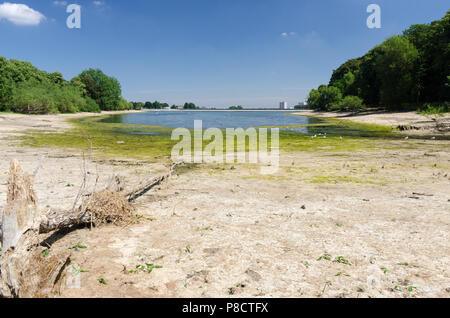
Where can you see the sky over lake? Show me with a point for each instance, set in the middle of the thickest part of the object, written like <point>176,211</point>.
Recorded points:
<point>214,53</point>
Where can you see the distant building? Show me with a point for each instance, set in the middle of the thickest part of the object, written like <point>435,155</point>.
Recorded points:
<point>283,105</point>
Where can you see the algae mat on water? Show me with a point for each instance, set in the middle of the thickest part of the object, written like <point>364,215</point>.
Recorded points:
<point>153,142</point>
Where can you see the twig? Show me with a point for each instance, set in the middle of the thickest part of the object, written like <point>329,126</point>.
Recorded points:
<point>38,166</point>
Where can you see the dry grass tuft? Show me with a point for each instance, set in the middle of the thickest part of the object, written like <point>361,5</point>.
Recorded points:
<point>109,207</point>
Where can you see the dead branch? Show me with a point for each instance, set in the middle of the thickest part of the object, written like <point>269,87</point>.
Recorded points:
<point>139,191</point>
<point>108,206</point>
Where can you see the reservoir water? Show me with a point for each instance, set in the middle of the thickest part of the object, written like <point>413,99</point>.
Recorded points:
<point>213,119</point>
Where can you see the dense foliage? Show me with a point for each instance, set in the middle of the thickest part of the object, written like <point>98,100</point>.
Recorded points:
<point>156,105</point>
<point>26,89</point>
<point>404,72</point>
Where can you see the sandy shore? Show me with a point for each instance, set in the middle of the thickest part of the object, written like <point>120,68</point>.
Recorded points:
<point>222,231</point>
<point>411,122</point>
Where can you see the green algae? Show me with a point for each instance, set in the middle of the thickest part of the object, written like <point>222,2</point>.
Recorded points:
<point>110,139</point>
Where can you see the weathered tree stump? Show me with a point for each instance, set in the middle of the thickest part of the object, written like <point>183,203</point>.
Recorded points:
<point>24,271</point>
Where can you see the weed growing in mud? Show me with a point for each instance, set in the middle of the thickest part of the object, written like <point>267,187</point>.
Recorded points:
<point>409,288</point>
<point>102,281</point>
<point>384,269</point>
<point>325,257</point>
<point>343,274</point>
<point>188,249</point>
<point>342,260</point>
<point>76,269</point>
<point>46,252</point>
<point>403,264</point>
<point>140,217</point>
<point>78,246</point>
<point>148,268</point>
<point>208,228</point>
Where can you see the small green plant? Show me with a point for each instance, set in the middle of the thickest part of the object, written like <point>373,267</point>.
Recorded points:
<point>306,263</point>
<point>188,249</point>
<point>342,260</point>
<point>70,185</point>
<point>411,288</point>
<point>78,246</point>
<point>46,252</point>
<point>325,257</point>
<point>208,228</point>
<point>342,274</point>
<point>148,268</point>
<point>102,281</point>
<point>77,270</point>
<point>384,269</point>
<point>403,264</point>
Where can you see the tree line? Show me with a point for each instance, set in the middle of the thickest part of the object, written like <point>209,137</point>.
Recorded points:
<point>406,71</point>
<point>26,89</point>
<point>159,105</point>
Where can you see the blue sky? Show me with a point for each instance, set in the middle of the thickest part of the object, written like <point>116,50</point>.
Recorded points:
<point>211,52</point>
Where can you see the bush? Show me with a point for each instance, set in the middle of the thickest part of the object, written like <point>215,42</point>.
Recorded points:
<point>430,109</point>
<point>90,106</point>
<point>349,103</point>
<point>124,105</point>
<point>67,98</point>
<point>32,98</point>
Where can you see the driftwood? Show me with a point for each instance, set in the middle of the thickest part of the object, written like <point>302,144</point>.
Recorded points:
<point>89,212</point>
<point>24,270</point>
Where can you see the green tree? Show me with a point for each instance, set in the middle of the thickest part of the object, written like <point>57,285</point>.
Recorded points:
<point>324,98</point>
<point>395,65</point>
<point>189,106</point>
<point>105,90</point>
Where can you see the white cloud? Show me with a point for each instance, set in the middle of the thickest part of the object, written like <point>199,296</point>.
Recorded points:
<point>288,34</point>
<point>60,3</point>
<point>99,3</point>
<point>20,14</point>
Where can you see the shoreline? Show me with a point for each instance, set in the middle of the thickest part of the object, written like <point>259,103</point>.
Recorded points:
<point>376,207</point>
<point>408,122</point>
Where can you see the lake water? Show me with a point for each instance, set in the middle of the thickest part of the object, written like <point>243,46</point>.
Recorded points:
<point>246,119</point>
<point>213,119</point>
